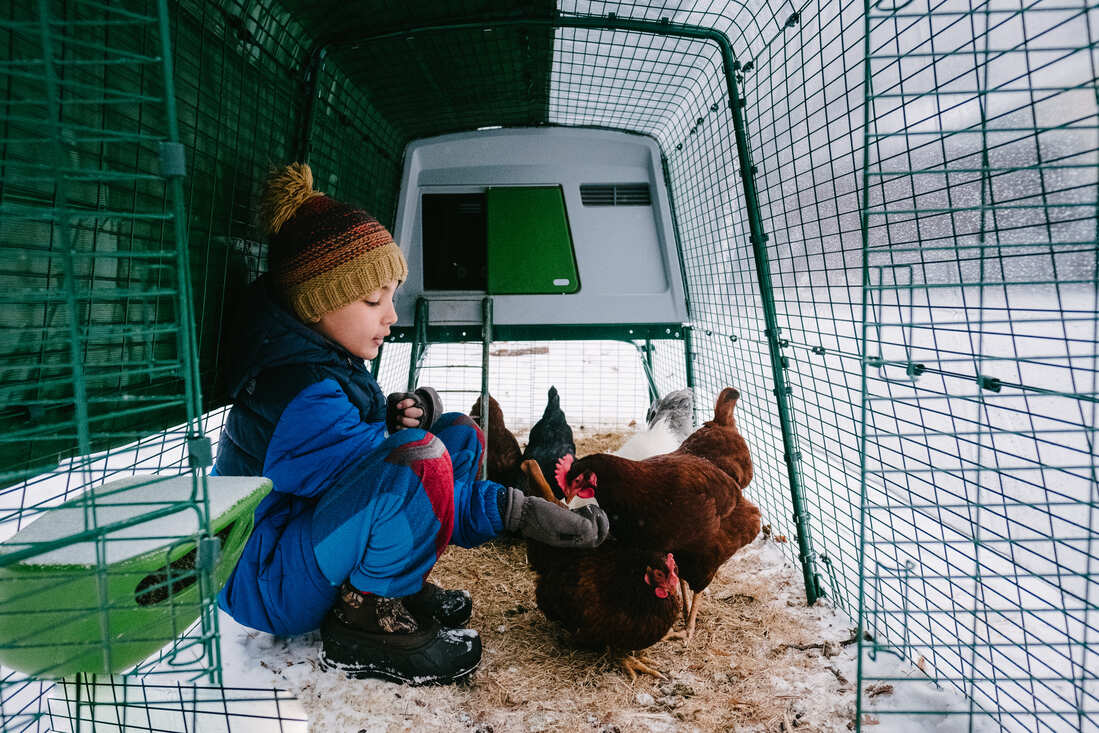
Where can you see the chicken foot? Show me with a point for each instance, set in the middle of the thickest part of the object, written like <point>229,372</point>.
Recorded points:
<point>639,664</point>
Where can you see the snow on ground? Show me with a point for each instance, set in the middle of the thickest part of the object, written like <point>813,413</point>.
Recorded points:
<point>761,660</point>
<point>935,444</point>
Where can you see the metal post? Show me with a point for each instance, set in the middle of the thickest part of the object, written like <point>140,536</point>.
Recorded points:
<point>486,343</point>
<point>419,341</point>
<point>813,582</point>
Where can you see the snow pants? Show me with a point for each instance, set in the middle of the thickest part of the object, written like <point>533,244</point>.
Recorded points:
<point>384,533</point>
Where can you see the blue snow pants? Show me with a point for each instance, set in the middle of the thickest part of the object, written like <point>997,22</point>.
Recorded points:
<point>381,525</point>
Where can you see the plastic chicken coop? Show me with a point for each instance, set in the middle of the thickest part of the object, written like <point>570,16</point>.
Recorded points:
<point>878,220</point>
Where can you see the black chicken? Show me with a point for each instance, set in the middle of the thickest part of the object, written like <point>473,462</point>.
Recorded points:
<point>550,440</point>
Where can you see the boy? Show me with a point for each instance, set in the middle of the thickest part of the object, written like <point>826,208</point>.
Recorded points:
<point>356,519</point>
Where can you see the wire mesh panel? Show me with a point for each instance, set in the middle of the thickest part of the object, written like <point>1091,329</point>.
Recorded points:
<point>803,99</point>
<point>675,88</point>
<point>603,384</point>
<point>97,351</point>
<point>981,355</point>
<point>117,705</point>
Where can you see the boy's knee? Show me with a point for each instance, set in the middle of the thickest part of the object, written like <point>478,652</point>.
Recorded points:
<point>459,432</point>
<point>415,446</point>
<point>451,419</point>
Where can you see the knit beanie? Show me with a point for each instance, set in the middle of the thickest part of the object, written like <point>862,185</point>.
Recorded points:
<point>323,253</point>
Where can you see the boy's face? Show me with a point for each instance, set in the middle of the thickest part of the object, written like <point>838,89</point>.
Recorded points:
<point>361,326</point>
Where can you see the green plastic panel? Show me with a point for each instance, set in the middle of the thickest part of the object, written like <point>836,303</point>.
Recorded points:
<point>530,248</point>
<point>53,621</point>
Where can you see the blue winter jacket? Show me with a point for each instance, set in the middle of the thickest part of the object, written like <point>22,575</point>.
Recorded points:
<point>305,411</point>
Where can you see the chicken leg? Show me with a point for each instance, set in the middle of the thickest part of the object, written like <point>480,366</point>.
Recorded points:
<point>639,664</point>
<point>696,602</point>
<point>684,594</point>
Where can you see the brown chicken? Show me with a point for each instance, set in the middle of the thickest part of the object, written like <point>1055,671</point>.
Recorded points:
<point>613,596</point>
<point>502,452</point>
<point>689,502</point>
<point>719,441</point>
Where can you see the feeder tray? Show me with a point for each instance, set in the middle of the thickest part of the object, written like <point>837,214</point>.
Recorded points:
<point>58,619</point>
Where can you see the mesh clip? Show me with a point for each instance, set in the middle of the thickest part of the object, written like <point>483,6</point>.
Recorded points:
<point>200,452</point>
<point>793,20</point>
<point>819,350</point>
<point>209,549</point>
<point>992,384</point>
<point>915,370</point>
<point>173,162</point>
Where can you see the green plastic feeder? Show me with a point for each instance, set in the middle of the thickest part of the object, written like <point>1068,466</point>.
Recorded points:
<point>57,618</point>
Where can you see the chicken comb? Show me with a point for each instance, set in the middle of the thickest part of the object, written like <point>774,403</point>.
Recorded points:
<point>564,463</point>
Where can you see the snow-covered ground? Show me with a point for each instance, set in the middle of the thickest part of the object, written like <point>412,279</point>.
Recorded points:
<point>980,533</point>
<point>762,658</point>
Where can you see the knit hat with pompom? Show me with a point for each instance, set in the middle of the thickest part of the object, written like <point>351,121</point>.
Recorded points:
<point>323,254</point>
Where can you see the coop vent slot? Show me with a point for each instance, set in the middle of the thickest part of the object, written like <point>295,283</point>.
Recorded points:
<point>615,194</point>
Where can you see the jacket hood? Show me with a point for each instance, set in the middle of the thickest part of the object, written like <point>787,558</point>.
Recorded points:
<point>266,335</point>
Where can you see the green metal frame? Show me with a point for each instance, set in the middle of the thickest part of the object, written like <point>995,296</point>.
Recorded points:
<point>103,247</point>
<point>775,343</point>
<point>760,163</point>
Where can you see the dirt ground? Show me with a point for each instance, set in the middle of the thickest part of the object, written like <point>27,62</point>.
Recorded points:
<point>761,660</point>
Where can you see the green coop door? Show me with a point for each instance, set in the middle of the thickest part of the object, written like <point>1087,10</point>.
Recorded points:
<point>529,243</point>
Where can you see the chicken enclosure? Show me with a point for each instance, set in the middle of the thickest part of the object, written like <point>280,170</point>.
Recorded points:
<point>884,218</point>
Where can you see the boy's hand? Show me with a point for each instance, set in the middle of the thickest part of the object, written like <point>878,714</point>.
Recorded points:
<point>552,524</point>
<point>412,409</point>
<point>407,413</point>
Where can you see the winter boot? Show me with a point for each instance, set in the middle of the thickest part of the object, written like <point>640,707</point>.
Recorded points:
<point>366,635</point>
<point>451,608</point>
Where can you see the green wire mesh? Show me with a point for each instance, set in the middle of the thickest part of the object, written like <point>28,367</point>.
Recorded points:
<point>980,354</point>
<point>96,345</point>
<point>928,301</point>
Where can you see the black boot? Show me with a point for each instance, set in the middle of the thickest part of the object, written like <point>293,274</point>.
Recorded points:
<point>451,608</point>
<point>365,635</point>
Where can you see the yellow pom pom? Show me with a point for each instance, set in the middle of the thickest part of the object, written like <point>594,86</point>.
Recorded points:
<point>285,190</point>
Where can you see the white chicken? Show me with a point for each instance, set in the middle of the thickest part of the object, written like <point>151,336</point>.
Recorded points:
<point>670,420</point>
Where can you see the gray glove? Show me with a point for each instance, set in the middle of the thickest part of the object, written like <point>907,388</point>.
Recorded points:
<point>553,524</point>
<point>425,398</point>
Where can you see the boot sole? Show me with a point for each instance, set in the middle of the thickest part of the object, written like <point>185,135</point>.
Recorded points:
<point>362,671</point>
